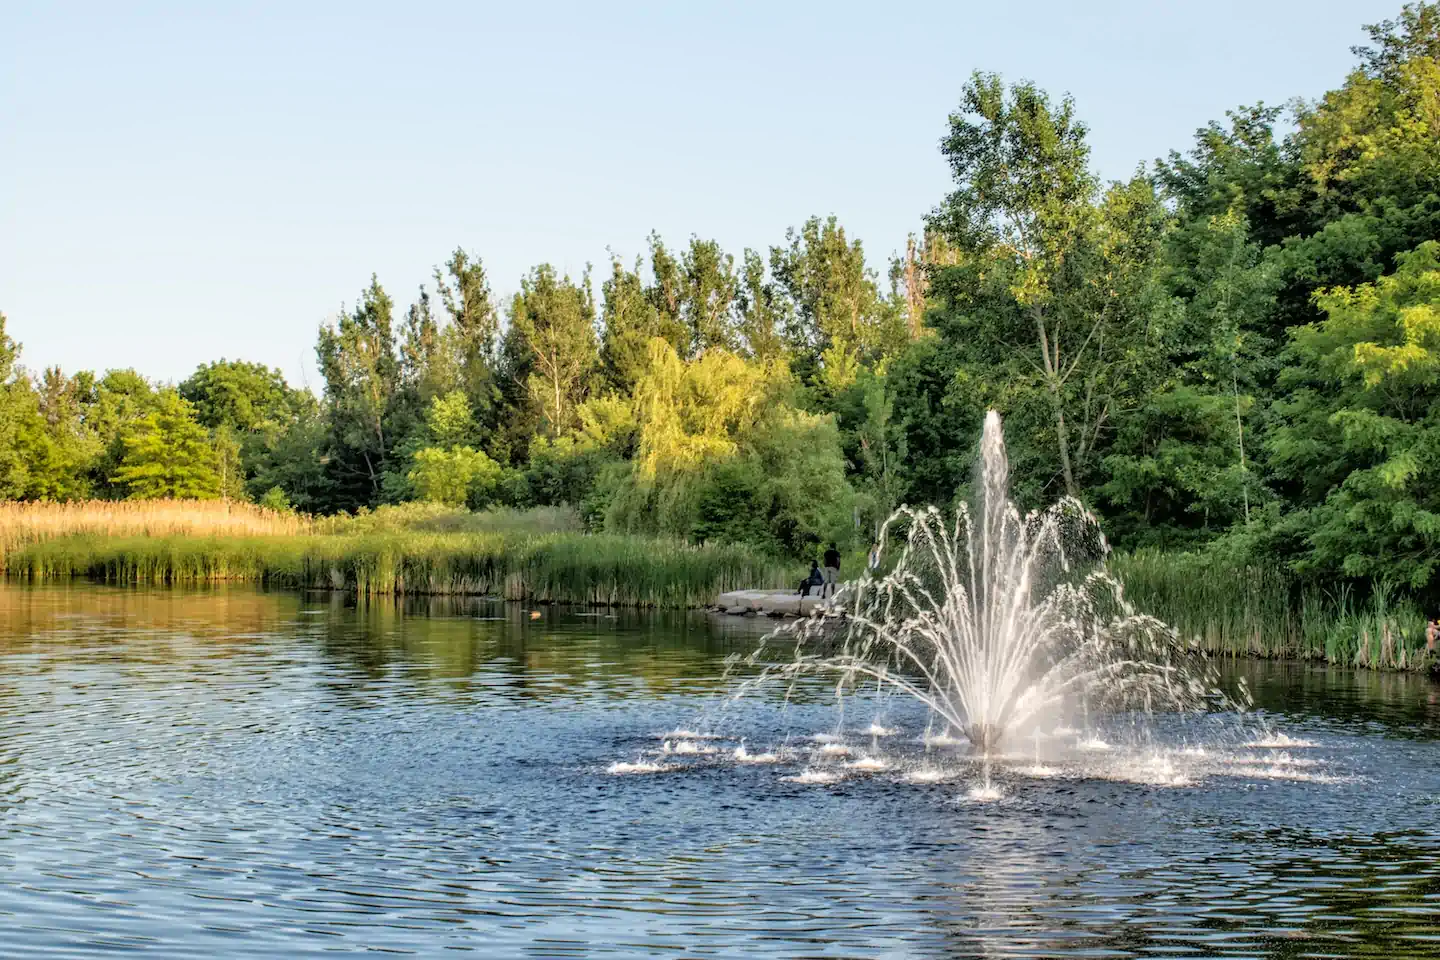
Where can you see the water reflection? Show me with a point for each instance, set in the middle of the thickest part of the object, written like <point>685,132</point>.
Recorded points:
<point>271,774</point>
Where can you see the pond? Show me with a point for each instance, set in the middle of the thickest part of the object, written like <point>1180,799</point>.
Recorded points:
<point>254,774</point>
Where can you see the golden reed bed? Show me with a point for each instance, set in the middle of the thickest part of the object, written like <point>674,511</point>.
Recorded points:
<point>30,522</point>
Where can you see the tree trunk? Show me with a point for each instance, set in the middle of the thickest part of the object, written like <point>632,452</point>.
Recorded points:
<point>1053,381</point>
<point>1062,437</point>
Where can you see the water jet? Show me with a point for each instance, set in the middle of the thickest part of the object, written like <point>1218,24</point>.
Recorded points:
<point>1002,623</point>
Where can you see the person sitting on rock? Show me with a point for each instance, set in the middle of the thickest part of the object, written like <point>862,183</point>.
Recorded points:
<point>815,580</point>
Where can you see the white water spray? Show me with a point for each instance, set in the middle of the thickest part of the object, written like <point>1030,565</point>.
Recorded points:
<point>1001,623</point>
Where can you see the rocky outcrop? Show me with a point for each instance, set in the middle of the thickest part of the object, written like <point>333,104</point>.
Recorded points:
<point>774,603</point>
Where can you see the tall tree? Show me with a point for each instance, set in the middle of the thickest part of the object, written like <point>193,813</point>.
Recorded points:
<point>17,411</point>
<point>710,287</point>
<point>1022,206</point>
<point>362,375</point>
<point>428,362</point>
<point>667,291</point>
<point>760,309</point>
<point>630,321</point>
<point>837,316</point>
<point>465,294</point>
<point>553,346</point>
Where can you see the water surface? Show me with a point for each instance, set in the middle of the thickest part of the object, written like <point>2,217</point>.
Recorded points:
<point>257,774</point>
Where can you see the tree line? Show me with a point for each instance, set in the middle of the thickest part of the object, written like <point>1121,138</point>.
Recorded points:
<point>1237,349</point>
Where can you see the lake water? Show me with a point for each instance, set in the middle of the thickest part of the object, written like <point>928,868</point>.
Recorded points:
<point>246,774</point>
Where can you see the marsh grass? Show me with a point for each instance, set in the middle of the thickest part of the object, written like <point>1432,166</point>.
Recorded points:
<point>1236,609</point>
<point>564,567</point>
<point>27,522</point>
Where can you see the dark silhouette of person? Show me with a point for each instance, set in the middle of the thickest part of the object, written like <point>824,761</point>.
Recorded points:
<point>814,581</point>
<point>832,571</point>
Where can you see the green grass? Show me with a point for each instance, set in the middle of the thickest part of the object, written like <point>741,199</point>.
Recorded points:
<point>1239,609</point>
<point>549,567</point>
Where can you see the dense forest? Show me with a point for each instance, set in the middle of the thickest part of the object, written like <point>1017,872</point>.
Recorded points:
<point>1236,350</point>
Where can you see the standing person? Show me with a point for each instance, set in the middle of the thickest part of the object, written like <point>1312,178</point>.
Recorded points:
<point>832,571</point>
<point>873,560</point>
<point>1432,631</point>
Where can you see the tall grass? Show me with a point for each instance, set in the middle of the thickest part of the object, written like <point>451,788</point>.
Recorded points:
<point>563,567</point>
<point>26,522</point>
<point>438,518</point>
<point>1234,608</point>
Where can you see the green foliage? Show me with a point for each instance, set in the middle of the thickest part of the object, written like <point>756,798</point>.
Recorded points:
<point>449,420</point>
<point>724,455</point>
<point>837,318</point>
<point>274,499</point>
<point>362,375</point>
<point>167,454</point>
<point>454,475</point>
<point>237,394</point>
<point>18,413</point>
<point>551,347</point>
<point>1359,433</point>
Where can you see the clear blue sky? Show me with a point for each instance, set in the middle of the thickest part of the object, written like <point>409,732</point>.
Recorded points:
<point>183,182</point>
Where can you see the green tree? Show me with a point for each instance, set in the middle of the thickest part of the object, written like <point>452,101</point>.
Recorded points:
<point>237,394</point>
<point>456,476</point>
<point>18,414</point>
<point>761,313</point>
<point>630,320</point>
<point>837,318</point>
<point>474,325</point>
<point>553,348</point>
<point>358,360</point>
<point>450,420</point>
<point>710,288</point>
<point>167,454</point>
<point>1021,209</point>
<point>1359,428</point>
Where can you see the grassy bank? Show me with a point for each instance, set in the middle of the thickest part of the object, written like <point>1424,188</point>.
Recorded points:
<point>544,555</point>
<point>568,568</point>
<point>1259,611</point>
<point>539,556</point>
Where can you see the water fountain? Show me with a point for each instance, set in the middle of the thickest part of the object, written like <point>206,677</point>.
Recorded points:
<point>1001,623</point>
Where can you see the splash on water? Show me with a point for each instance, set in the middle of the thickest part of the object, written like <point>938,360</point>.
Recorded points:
<point>876,730</point>
<point>1039,771</point>
<point>1277,740</point>
<point>742,755</point>
<point>868,765</point>
<point>985,793</point>
<point>813,776</point>
<point>685,734</point>
<point>639,766</point>
<point>834,750</point>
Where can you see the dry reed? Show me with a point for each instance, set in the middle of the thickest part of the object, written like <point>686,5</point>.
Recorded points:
<point>26,522</point>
